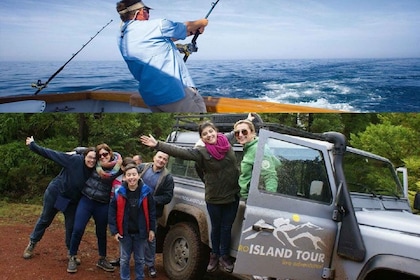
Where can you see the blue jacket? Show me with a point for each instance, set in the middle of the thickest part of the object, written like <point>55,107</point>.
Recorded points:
<point>71,179</point>
<point>118,214</point>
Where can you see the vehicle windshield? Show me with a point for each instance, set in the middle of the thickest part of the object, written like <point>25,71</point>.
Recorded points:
<point>370,175</point>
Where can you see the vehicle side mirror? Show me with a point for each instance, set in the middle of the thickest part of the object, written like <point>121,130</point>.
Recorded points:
<point>403,171</point>
<point>416,204</point>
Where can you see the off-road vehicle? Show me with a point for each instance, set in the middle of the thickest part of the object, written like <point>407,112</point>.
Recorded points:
<point>338,212</point>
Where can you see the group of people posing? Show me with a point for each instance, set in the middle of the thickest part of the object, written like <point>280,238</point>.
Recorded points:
<point>122,194</point>
<point>129,196</point>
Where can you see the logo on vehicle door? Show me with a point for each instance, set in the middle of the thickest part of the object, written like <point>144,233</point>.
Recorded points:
<point>300,242</point>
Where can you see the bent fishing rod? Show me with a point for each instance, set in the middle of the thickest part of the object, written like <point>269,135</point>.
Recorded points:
<point>40,85</point>
<point>187,49</point>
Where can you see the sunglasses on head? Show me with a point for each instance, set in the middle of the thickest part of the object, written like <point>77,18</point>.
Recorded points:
<point>103,155</point>
<point>243,131</point>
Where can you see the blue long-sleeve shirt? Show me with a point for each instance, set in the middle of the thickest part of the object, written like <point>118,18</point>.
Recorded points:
<point>154,60</point>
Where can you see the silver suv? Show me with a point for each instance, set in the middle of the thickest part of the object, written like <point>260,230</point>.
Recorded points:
<point>338,212</point>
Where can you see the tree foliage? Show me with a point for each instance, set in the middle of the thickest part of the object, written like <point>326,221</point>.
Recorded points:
<point>25,175</point>
<point>396,137</point>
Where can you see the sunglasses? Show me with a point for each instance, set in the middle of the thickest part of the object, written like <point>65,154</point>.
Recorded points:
<point>103,155</point>
<point>243,131</point>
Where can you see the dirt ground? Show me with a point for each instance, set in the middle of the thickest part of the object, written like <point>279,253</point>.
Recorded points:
<point>50,255</point>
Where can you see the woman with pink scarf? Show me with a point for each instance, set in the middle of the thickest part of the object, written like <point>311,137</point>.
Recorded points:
<point>95,203</point>
<point>216,158</point>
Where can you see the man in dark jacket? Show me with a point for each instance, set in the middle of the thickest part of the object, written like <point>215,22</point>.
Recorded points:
<point>156,176</point>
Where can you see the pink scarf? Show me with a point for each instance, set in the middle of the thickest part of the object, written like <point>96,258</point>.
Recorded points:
<point>218,150</point>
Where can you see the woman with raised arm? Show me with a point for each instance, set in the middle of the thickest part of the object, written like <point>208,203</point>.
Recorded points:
<point>216,158</point>
<point>63,192</point>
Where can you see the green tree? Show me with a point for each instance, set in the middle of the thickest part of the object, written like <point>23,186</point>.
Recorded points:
<point>396,137</point>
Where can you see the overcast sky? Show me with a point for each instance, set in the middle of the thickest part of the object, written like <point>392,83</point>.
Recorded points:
<point>238,29</point>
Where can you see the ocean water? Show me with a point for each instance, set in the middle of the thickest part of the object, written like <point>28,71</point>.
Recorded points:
<point>357,85</point>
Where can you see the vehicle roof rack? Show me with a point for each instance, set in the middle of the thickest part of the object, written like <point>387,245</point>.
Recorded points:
<point>225,122</point>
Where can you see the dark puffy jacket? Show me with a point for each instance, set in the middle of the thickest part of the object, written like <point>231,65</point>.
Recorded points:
<point>99,189</point>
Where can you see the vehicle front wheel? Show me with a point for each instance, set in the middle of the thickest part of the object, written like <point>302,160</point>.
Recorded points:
<point>184,256</point>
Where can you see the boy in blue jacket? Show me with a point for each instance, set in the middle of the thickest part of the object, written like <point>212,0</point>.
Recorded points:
<point>132,220</point>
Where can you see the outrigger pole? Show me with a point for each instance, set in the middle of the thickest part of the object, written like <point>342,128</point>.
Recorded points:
<point>40,86</point>
<point>187,49</point>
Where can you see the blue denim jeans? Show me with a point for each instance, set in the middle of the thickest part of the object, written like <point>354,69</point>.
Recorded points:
<point>150,252</point>
<point>132,243</point>
<point>48,214</point>
<point>222,217</point>
<point>99,211</point>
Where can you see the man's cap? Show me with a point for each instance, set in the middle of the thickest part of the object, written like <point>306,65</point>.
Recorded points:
<point>133,5</point>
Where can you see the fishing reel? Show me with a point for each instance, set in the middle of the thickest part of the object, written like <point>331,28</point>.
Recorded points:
<point>187,49</point>
<point>39,85</point>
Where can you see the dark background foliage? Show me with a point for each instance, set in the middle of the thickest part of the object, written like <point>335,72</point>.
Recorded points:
<point>24,175</point>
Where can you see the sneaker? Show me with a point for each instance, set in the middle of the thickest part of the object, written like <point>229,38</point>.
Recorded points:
<point>152,272</point>
<point>105,265</point>
<point>226,263</point>
<point>115,262</point>
<point>213,262</point>
<point>29,250</point>
<point>78,261</point>
<point>72,265</point>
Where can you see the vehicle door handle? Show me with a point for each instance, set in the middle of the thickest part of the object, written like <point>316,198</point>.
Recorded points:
<point>266,228</point>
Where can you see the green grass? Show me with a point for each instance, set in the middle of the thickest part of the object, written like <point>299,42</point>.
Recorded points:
<point>21,213</point>
<point>18,213</point>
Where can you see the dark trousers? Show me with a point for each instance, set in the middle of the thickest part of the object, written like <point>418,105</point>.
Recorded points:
<point>99,211</point>
<point>222,217</point>
<point>48,214</point>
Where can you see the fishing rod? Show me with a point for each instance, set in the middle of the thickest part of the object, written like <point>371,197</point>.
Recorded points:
<point>40,85</point>
<point>187,49</point>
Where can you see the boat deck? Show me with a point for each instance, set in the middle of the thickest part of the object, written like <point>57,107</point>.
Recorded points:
<point>119,102</point>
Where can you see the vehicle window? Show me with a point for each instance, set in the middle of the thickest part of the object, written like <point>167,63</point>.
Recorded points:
<point>186,168</point>
<point>294,170</point>
<point>369,175</point>
<point>183,168</point>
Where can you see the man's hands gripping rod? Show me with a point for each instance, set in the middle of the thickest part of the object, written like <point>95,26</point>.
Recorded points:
<point>194,28</point>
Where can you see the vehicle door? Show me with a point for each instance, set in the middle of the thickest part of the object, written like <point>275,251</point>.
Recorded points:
<point>288,231</point>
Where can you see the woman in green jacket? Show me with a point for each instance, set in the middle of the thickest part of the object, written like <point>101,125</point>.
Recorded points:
<point>245,134</point>
<point>216,158</point>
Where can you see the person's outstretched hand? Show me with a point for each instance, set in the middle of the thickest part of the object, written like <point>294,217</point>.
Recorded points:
<point>149,141</point>
<point>29,140</point>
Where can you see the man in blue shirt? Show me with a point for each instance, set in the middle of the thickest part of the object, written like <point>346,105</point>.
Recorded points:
<point>157,177</point>
<point>148,48</point>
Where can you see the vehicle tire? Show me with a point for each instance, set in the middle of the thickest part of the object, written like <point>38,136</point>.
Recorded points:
<point>183,253</point>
